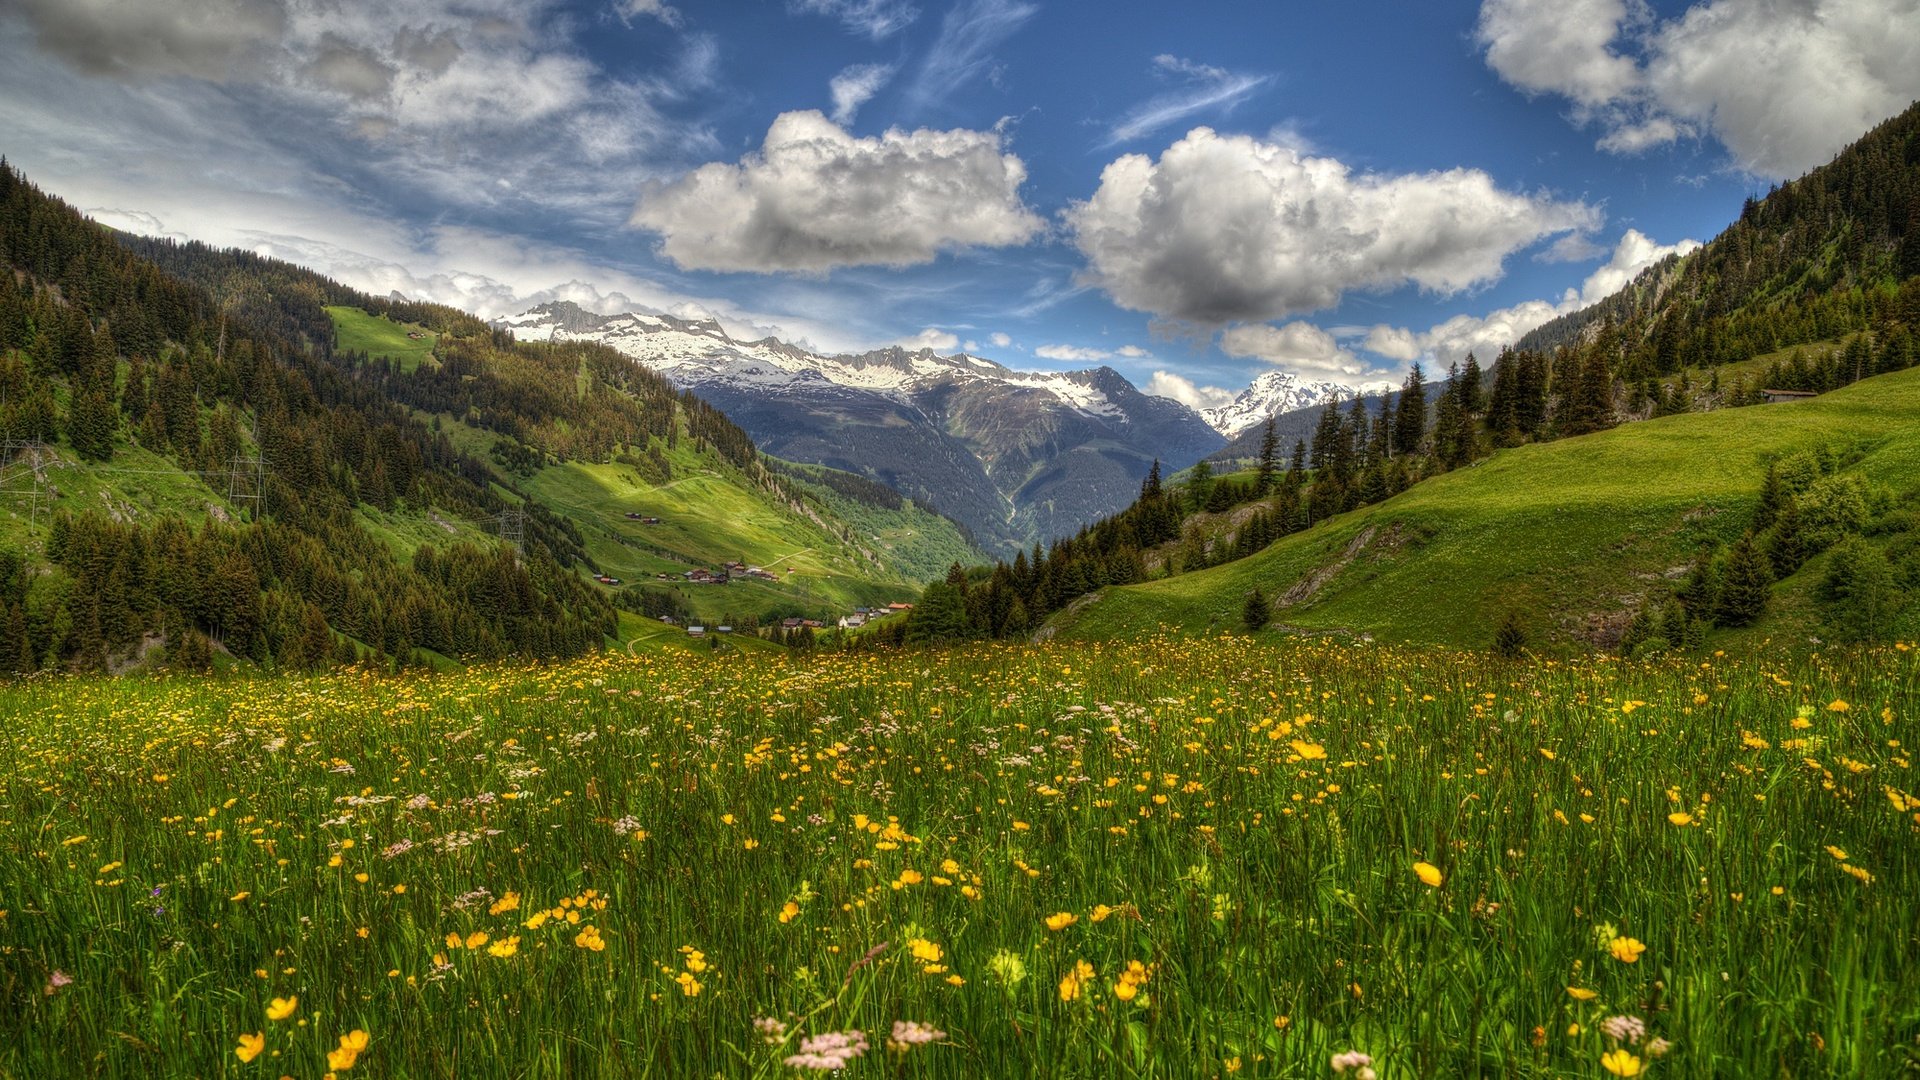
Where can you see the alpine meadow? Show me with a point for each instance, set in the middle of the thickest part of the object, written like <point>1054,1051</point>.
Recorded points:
<point>617,539</point>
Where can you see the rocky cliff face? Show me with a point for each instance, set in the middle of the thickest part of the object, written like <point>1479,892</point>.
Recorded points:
<point>1016,456</point>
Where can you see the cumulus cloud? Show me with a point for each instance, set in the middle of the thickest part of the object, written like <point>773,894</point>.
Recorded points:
<point>1166,384</point>
<point>1200,87</point>
<point>1076,354</point>
<point>815,198</point>
<point>1485,335</point>
<point>969,34</point>
<point>931,338</point>
<point>855,87</point>
<point>876,19</point>
<point>1560,46</point>
<point>1296,346</point>
<point>999,340</point>
<point>1228,228</point>
<point>1132,352</point>
<point>1782,84</point>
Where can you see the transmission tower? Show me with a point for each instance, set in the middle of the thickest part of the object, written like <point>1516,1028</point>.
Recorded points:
<point>513,527</point>
<point>23,474</point>
<point>247,483</point>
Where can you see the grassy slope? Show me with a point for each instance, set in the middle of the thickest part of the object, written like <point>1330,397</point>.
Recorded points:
<point>710,514</point>
<point>1581,525</point>
<point>381,338</point>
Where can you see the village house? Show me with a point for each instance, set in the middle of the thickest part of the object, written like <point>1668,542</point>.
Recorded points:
<point>1776,396</point>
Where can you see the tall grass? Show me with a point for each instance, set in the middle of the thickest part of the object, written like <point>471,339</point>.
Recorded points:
<point>844,842</point>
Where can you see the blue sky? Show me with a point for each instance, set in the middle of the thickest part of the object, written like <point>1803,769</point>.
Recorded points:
<point>1194,194</point>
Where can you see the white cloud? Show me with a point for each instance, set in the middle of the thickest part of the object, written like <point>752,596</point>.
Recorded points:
<point>1072,353</point>
<point>1226,228</point>
<point>969,34</point>
<point>633,9</point>
<point>938,340</point>
<point>855,87</point>
<point>999,340</point>
<point>1560,46</point>
<point>876,19</point>
<point>1132,352</point>
<point>1166,384</point>
<point>1296,346</point>
<point>815,198</point>
<point>1485,335</point>
<point>1202,87</point>
<point>467,103</point>
<point>1782,84</point>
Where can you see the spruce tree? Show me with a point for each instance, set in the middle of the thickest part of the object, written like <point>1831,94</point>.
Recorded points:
<point>1744,589</point>
<point>1269,454</point>
<point>1859,596</point>
<point>1773,495</point>
<point>1410,414</point>
<point>1258,612</point>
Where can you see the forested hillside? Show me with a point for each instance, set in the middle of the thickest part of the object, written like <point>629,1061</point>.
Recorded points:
<point>1814,288</point>
<point>193,472</point>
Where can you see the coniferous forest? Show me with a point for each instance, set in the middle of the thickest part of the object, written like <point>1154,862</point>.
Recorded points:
<point>180,358</point>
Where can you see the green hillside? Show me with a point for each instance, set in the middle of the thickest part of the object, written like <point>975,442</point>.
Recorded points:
<point>378,337</point>
<point>1574,534</point>
<point>214,459</point>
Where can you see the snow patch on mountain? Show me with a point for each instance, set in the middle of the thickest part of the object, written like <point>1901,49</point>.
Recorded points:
<point>699,352</point>
<point>1273,393</point>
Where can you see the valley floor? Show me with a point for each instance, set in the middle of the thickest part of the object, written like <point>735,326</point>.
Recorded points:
<point>1174,857</point>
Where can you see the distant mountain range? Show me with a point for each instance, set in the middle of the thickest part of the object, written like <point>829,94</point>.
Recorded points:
<point>1274,393</point>
<point>1016,456</point>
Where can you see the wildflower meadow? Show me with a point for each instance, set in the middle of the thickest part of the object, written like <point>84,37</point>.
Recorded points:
<point>1179,857</point>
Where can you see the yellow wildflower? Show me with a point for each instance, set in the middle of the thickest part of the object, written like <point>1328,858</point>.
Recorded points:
<point>1620,1063</point>
<point>250,1046</point>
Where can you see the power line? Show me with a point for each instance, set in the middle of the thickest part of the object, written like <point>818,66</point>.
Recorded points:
<point>23,473</point>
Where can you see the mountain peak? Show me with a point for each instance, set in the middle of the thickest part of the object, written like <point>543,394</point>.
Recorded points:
<point>1270,394</point>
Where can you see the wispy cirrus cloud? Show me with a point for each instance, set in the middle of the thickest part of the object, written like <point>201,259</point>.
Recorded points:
<point>855,87</point>
<point>1201,87</point>
<point>969,34</point>
<point>876,19</point>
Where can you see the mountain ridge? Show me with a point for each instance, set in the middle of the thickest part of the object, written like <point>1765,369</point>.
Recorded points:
<point>1016,456</point>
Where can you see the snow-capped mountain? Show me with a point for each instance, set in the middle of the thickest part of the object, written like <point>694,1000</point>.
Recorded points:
<point>1274,393</point>
<point>1016,456</point>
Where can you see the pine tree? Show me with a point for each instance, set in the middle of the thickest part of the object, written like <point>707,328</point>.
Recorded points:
<point>1744,590</point>
<point>1200,484</point>
<point>1787,541</point>
<point>1258,612</point>
<point>1859,596</point>
<point>1410,414</point>
<point>1269,455</point>
<point>1773,496</point>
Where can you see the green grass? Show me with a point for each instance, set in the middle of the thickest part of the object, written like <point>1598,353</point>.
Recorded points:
<point>847,841</point>
<point>1562,530</point>
<point>381,338</point>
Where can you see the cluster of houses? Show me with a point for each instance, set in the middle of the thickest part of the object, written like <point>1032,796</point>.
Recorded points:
<point>862,616</point>
<point>635,515</point>
<point>606,579</point>
<point>733,571</point>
